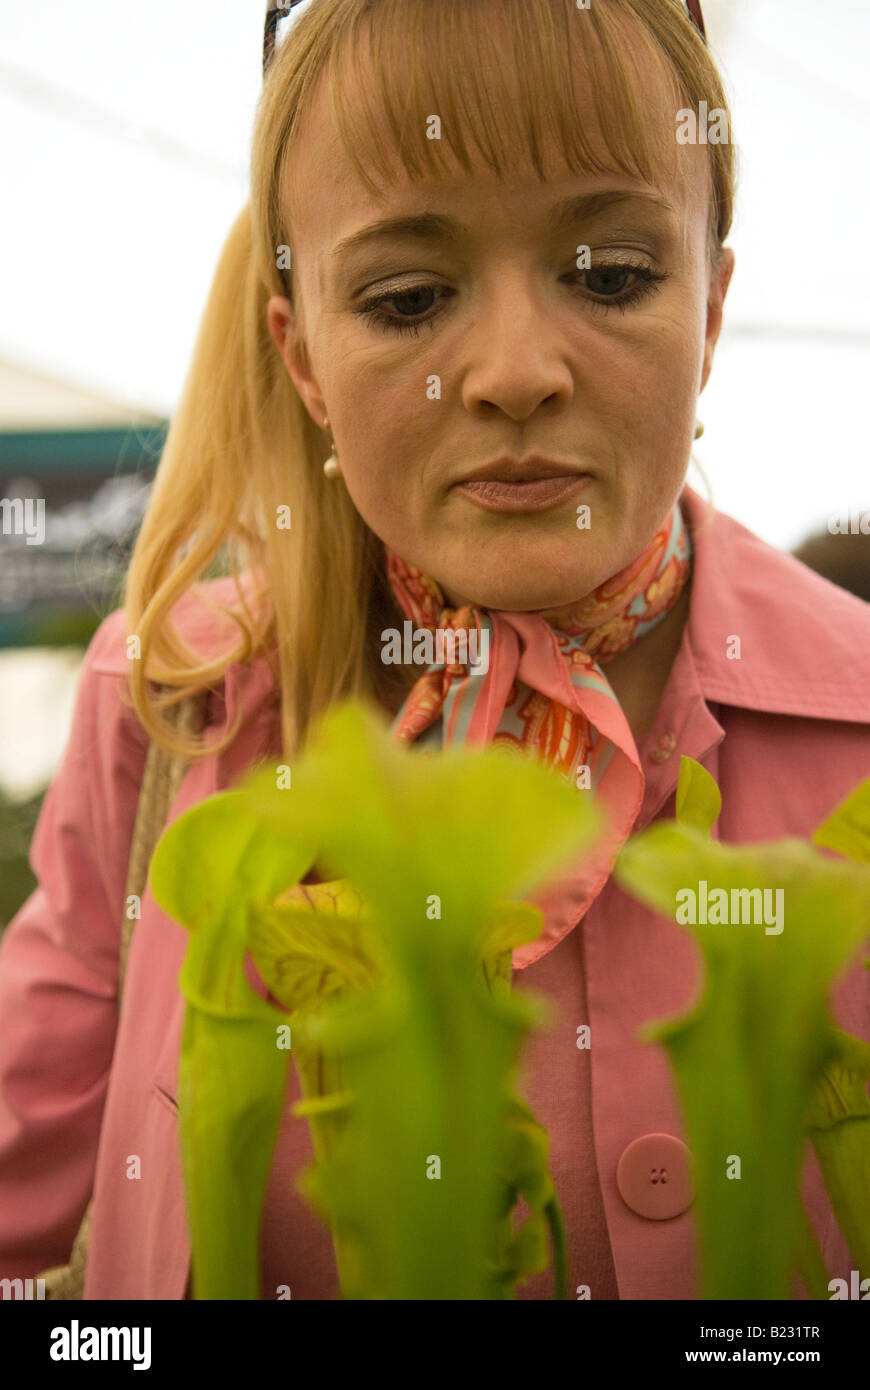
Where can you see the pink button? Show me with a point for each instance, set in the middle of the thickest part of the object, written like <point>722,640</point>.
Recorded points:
<point>654,1177</point>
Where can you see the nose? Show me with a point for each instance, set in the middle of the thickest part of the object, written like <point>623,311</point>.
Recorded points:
<point>515,355</point>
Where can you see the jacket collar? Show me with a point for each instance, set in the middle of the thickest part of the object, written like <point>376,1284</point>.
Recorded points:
<point>804,643</point>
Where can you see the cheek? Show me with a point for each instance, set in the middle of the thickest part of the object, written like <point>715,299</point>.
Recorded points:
<point>373,392</point>
<point>386,429</point>
<point>650,383</point>
<point>669,348</point>
<point>378,496</point>
<point>382,485</point>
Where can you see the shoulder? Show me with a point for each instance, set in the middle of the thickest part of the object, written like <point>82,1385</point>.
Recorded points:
<point>197,619</point>
<point>108,745</point>
<point>93,795</point>
<point>244,696</point>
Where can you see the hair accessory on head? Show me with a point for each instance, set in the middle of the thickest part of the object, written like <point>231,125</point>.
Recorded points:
<point>694,8</point>
<point>276,10</point>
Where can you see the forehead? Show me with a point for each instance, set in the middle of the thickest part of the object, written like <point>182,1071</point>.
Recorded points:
<point>326,201</point>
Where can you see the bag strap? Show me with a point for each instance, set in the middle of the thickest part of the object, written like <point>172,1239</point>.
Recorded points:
<point>161,779</point>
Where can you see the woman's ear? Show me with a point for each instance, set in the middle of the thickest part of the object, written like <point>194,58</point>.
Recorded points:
<point>284,332</point>
<point>720,279</point>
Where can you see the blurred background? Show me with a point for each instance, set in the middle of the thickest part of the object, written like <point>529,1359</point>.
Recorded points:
<point>124,136</point>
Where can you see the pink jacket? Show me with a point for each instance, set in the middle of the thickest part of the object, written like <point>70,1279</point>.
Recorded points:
<point>785,730</point>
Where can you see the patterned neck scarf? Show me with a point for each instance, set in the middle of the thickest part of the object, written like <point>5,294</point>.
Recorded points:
<point>534,682</point>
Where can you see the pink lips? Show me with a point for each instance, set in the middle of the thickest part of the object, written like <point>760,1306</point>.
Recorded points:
<point>525,495</point>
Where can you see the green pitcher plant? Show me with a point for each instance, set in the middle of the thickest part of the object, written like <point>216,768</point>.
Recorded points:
<point>378,889</point>
<point>759,1066</point>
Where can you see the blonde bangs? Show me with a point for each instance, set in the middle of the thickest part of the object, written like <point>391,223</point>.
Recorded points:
<point>502,77</point>
<point>500,88</point>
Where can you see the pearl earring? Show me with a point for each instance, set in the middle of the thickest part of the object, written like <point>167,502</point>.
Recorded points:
<point>332,467</point>
<point>699,429</point>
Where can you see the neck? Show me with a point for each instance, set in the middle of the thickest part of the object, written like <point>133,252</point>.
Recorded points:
<point>639,676</point>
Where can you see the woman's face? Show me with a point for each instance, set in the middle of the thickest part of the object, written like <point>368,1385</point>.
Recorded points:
<point>490,344</point>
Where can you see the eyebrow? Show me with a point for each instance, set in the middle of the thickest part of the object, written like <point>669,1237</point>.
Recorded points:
<point>432,226</point>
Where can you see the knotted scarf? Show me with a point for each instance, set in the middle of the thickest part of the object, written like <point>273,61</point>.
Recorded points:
<point>541,691</point>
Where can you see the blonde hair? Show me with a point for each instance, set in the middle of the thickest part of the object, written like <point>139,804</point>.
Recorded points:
<point>241,444</point>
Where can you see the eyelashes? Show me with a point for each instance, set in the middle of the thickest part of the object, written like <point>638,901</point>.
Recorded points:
<point>372,311</point>
<point>643,283</point>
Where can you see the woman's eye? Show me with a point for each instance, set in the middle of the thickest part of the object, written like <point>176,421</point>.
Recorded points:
<point>400,311</point>
<point>608,279</point>
<point>407,303</point>
<point>619,287</point>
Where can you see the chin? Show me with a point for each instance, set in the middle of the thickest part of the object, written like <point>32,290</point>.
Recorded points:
<point>525,598</point>
<point>530,603</point>
<point>524,583</point>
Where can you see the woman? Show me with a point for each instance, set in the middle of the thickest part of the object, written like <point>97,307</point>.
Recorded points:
<point>480,257</point>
